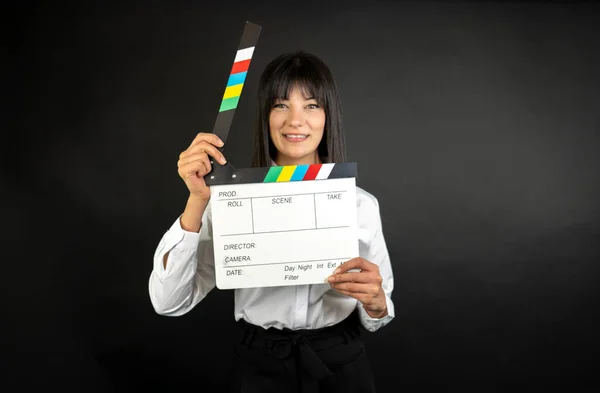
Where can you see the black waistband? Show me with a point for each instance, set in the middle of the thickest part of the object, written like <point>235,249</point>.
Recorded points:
<point>348,329</point>
<point>301,347</point>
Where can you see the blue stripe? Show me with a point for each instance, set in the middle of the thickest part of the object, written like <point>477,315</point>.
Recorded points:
<point>237,79</point>
<point>299,173</point>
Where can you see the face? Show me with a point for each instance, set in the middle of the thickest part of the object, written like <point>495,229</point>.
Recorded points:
<point>296,127</point>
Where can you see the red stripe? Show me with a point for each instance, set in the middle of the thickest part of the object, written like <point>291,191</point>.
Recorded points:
<point>240,66</point>
<point>312,172</point>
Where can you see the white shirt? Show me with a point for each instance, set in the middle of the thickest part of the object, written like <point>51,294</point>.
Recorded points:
<point>190,276</point>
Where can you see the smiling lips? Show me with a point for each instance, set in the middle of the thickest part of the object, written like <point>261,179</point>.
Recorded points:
<point>295,137</point>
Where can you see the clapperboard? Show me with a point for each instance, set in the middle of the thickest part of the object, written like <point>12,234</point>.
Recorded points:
<point>279,225</point>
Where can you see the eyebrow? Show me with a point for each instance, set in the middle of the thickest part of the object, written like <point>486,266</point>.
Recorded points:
<point>287,99</point>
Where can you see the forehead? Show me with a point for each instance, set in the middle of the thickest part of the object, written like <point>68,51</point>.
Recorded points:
<point>296,93</point>
<point>296,89</point>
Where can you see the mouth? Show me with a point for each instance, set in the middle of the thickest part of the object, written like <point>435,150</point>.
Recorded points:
<point>295,137</point>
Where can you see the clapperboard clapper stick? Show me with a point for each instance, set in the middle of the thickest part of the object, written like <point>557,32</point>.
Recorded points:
<point>230,100</point>
<point>277,225</point>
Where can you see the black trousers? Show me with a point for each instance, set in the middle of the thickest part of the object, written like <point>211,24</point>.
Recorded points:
<point>332,359</point>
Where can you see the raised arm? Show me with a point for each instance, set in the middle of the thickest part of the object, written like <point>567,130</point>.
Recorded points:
<point>183,270</point>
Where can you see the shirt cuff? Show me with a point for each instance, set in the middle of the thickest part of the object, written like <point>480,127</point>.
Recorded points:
<point>373,324</point>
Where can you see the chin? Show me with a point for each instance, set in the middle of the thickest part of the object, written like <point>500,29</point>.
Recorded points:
<point>295,154</point>
<point>299,159</point>
<point>296,151</point>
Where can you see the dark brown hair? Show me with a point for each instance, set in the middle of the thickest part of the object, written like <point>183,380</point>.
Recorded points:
<point>314,78</point>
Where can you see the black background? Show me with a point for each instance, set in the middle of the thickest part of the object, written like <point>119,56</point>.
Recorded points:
<point>475,124</point>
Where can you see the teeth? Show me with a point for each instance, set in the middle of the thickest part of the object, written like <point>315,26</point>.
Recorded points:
<point>296,136</point>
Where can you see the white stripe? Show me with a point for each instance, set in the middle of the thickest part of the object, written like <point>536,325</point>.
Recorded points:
<point>325,171</point>
<point>244,54</point>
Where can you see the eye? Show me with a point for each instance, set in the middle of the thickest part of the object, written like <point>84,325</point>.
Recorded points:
<point>313,106</point>
<point>279,106</point>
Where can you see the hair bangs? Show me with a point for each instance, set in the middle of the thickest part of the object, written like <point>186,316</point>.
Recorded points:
<point>299,75</point>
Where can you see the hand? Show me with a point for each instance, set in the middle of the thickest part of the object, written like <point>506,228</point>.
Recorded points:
<point>364,285</point>
<point>194,163</point>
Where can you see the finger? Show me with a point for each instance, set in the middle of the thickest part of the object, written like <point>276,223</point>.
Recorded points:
<point>361,297</point>
<point>371,289</point>
<point>206,166</point>
<point>363,276</point>
<point>356,263</point>
<point>208,137</point>
<point>194,157</point>
<point>207,148</point>
<point>193,169</point>
<point>198,148</point>
<point>196,168</point>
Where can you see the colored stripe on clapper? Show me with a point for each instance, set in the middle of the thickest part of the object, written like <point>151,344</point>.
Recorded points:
<point>280,174</point>
<point>237,78</point>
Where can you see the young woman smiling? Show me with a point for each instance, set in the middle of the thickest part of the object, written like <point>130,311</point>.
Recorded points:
<point>301,338</point>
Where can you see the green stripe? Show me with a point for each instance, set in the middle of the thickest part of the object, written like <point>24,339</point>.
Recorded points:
<point>273,174</point>
<point>229,103</point>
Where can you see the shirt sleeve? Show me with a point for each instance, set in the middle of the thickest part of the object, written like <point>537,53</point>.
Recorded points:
<point>190,272</point>
<point>377,253</point>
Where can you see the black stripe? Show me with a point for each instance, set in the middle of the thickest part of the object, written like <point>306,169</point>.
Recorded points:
<point>229,175</point>
<point>223,124</point>
<point>341,170</point>
<point>250,35</point>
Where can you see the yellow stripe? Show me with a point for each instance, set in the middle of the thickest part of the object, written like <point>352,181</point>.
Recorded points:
<point>233,91</point>
<point>286,173</point>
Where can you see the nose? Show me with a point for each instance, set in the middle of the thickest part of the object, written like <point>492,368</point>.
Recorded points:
<point>295,117</point>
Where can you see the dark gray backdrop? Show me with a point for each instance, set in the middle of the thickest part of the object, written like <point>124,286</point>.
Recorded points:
<point>476,125</point>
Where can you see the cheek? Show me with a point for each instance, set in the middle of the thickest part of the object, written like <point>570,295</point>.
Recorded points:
<point>275,123</point>
<point>272,126</point>
<point>322,123</point>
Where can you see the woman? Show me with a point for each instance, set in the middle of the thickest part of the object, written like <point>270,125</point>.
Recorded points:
<point>293,338</point>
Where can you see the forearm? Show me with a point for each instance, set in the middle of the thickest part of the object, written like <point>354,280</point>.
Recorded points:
<point>177,293</point>
<point>172,295</point>
<point>189,274</point>
<point>191,219</point>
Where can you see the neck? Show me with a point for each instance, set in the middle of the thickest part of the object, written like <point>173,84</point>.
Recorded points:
<point>307,160</point>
